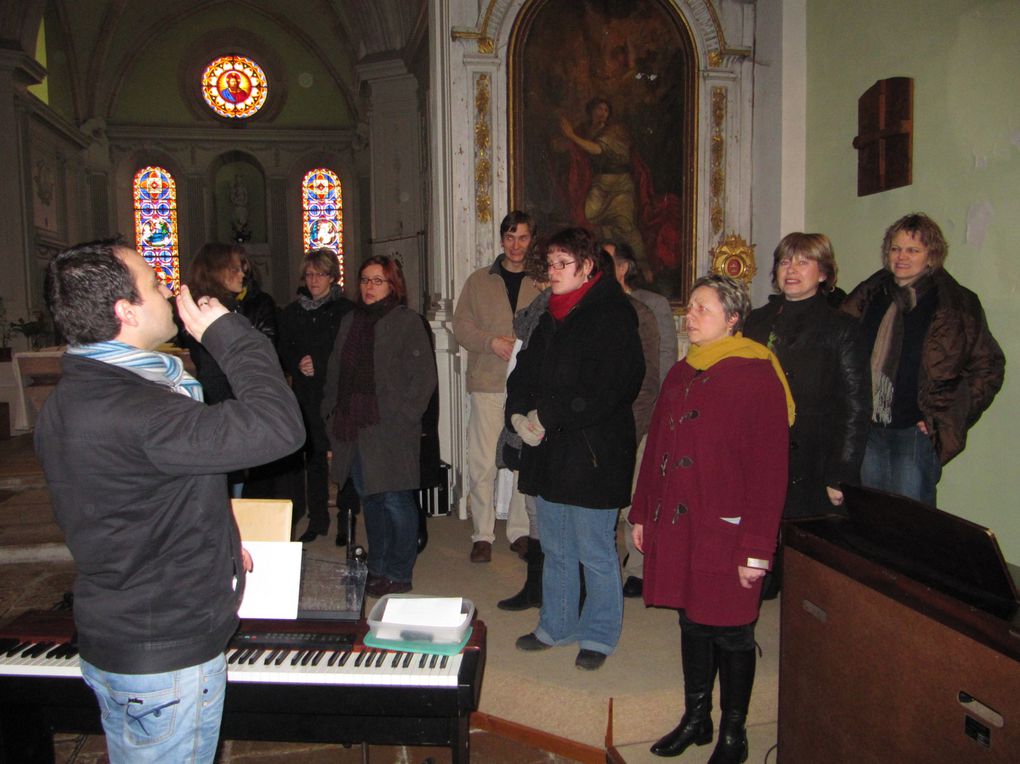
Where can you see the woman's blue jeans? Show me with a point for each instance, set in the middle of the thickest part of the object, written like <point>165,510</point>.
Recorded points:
<point>572,535</point>
<point>901,461</point>
<point>391,524</point>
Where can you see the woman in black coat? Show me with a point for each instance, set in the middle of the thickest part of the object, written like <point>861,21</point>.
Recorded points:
<point>308,329</point>
<point>569,398</point>
<point>826,366</point>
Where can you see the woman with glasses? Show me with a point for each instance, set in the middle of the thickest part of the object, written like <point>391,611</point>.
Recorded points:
<point>308,328</point>
<point>380,377</point>
<point>569,398</point>
<point>707,507</point>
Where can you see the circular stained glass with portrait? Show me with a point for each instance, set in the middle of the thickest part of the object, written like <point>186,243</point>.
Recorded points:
<point>234,86</point>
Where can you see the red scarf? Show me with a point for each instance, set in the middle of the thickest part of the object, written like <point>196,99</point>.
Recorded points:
<point>561,304</point>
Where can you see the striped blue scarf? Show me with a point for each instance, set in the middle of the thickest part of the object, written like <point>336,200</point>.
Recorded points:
<point>164,369</point>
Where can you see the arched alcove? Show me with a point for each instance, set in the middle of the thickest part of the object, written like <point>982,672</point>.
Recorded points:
<point>238,185</point>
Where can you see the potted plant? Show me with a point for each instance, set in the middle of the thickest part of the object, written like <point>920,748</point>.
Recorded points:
<point>35,331</point>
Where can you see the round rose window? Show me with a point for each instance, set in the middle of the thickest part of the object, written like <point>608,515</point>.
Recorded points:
<point>234,86</point>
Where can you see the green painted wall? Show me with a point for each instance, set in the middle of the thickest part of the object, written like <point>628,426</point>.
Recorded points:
<point>42,90</point>
<point>320,104</point>
<point>965,60</point>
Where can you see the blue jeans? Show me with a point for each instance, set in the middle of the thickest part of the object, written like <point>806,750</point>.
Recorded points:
<point>901,461</point>
<point>161,717</point>
<point>572,535</point>
<point>391,525</point>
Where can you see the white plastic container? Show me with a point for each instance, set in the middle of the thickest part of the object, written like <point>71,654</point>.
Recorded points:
<point>411,632</point>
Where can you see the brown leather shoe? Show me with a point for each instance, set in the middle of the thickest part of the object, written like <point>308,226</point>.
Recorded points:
<point>520,546</point>
<point>481,551</point>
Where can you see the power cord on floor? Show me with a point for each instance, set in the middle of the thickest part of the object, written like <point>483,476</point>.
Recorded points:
<point>769,751</point>
<point>79,743</point>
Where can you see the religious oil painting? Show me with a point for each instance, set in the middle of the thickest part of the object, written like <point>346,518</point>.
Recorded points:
<point>603,112</point>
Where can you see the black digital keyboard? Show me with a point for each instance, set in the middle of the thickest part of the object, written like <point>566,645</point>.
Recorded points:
<point>299,681</point>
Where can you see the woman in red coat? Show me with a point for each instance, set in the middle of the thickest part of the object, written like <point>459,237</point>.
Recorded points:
<point>709,498</point>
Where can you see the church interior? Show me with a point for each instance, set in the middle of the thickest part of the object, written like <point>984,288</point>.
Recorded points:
<point>419,123</point>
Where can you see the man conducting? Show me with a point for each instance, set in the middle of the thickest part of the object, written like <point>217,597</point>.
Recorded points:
<point>135,464</point>
<point>483,325</point>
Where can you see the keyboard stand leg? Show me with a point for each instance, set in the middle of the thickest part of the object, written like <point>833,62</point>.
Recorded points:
<point>364,751</point>
<point>460,747</point>
<point>24,736</point>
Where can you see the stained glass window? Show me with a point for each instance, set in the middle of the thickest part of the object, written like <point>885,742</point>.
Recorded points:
<point>322,204</point>
<point>234,86</point>
<point>155,195</point>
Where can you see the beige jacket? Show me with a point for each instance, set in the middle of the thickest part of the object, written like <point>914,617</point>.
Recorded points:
<point>483,312</point>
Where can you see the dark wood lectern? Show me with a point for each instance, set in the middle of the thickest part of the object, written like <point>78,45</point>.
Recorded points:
<point>879,665</point>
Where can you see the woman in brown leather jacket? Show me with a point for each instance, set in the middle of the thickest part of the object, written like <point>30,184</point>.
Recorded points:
<point>935,366</point>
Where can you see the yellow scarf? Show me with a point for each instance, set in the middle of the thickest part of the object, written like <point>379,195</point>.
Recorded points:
<point>702,357</point>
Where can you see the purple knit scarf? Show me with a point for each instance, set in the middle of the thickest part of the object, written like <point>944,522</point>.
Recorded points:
<point>356,403</point>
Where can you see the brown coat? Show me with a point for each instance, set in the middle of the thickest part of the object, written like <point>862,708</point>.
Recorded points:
<point>648,331</point>
<point>483,312</point>
<point>962,366</point>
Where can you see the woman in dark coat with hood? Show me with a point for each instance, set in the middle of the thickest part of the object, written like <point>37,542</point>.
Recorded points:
<point>569,398</point>
<point>308,327</point>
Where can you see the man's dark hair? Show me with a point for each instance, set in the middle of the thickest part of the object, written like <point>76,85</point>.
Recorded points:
<point>513,219</point>
<point>624,253</point>
<point>580,243</point>
<point>83,284</point>
<point>589,108</point>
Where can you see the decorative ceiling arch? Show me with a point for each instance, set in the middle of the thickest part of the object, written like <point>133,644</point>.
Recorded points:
<point>301,26</point>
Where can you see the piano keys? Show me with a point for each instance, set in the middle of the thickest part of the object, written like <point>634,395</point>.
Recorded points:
<point>313,681</point>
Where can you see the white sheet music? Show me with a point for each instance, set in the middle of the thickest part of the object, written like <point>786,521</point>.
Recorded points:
<point>273,586</point>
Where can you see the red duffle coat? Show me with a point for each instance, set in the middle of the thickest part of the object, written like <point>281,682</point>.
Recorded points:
<point>711,488</point>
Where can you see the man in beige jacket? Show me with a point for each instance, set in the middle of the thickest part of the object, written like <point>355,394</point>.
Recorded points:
<point>483,325</point>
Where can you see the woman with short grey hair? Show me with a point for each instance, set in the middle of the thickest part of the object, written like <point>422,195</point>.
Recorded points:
<point>707,507</point>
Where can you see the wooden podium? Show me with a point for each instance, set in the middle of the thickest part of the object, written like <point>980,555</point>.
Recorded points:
<point>878,666</point>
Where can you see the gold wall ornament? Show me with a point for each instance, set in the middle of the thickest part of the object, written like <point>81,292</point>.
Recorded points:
<point>483,144</point>
<point>717,161</point>
<point>734,257</point>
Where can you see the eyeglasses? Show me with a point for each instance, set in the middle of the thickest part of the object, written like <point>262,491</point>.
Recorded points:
<point>560,265</point>
<point>314,275</point>
<point>377,281</point>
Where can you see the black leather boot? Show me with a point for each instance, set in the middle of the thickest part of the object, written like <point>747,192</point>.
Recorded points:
<point>531,594</point>
<point>736,678</point>
<point>698,658</point>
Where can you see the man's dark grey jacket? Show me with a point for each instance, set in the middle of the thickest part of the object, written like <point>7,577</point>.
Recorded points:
<point>136,475</point>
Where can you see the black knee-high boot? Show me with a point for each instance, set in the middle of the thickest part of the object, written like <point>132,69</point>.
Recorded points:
<point>736,678</point>
<point>698,658</point>
<point>531,594</point>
